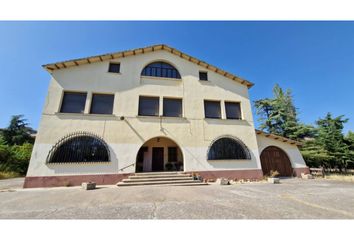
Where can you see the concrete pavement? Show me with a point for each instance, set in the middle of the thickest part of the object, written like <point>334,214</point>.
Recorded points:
<point>292,199</point>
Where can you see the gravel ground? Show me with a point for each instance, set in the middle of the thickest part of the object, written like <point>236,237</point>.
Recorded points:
<point>292,199</point>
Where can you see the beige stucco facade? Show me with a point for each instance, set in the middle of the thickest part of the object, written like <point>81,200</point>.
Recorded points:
<point>125,132</point>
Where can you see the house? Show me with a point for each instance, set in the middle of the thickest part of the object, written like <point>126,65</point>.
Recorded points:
<point>151,109</point>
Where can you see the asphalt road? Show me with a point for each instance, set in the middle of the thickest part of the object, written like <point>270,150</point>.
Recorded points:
<point>292,199</point>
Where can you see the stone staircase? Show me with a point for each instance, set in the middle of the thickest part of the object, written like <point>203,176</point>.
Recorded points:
<point>160,178</point>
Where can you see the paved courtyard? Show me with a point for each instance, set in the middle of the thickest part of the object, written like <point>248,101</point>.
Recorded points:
<point>292,199</point>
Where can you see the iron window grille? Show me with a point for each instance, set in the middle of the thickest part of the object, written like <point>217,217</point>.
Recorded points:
<point>227,148</point>
<point>79,147</point>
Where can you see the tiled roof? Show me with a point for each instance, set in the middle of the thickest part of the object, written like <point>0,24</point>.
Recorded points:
<point>110,56</point>
<point>279,138</point>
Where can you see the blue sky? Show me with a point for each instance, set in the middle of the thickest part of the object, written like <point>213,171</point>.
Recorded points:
<point>314,59</point>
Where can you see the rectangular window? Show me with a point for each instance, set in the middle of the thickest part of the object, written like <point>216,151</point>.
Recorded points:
<point>172,154</point>
<point>203,76</point>
<point>102,104</point>
<point>73,102</point>
<point>212,109</point>
<point>233,110</point>
<point>148,106</point>
<point>172,107</point>
<point>114,67</point>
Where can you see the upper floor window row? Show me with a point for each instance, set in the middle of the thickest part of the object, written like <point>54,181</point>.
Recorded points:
<point>212,109</point>
<point>150,106</point>
<point>158,69</point>
<point>161,69</point>
<point>74,102</point>
<point>102,104</point>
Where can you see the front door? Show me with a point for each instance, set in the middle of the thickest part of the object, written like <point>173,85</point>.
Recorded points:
<point>157,159</point>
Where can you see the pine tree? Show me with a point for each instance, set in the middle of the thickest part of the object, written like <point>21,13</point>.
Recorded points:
<point>18,131</point>
<point>278,115</point>
<point>331,138</point>
<point>315,155</point>
<point>265,110</point>
<point>349,140</point>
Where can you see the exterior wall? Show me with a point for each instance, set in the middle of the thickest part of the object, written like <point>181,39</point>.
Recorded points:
<point>192,132</point>
<point>297,162</point>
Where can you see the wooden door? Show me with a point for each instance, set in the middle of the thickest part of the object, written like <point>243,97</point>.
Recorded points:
<point>274,158</point>
<point>157,159</point>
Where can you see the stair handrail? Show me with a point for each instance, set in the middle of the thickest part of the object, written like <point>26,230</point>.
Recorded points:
<point>126,167</point>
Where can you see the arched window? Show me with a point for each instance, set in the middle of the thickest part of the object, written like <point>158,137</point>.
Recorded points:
<point>228,148</point>
<point>161,69</point>
<point>79,147</point>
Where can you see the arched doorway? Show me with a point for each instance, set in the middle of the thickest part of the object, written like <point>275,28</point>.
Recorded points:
<point>275,159</point>
<point>159,154</point>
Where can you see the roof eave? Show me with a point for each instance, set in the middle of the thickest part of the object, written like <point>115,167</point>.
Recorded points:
<point>110,56</point>
<point>278,138</point>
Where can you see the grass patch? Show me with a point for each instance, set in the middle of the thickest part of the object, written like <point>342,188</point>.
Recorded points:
<point>340,177</point>
<point>6,175</point>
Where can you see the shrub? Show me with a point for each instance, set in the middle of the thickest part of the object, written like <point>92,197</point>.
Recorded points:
<point>169,166</point>
<point>274,173</point>
<point>15,158</point>
<point>5,175</point>
<point>5,153</point>
<point>22,152</point>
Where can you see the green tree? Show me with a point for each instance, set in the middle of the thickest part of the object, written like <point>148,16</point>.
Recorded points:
<point>15,158</point>
<point>18,132</point>
<point>5,152</point>
<point>265,111</point>
<point>315,155</point>
<point>349,140</point>
<point>21,155</point>
<point>331,138</point>
<point>2,140</point>
<point>278,115</point>
<point>15,147</point>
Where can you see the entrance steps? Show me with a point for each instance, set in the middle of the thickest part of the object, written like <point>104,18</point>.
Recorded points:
<point>160,178</point>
